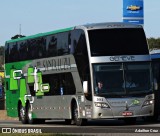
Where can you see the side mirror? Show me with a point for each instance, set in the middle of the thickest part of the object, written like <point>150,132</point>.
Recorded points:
<point>85,87</point>
<point>155,84</point>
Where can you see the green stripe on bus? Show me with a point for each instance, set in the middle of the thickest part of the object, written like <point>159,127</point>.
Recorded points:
<point>40,35</point>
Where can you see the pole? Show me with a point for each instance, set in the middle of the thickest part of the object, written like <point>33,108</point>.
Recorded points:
<point>19,29</point>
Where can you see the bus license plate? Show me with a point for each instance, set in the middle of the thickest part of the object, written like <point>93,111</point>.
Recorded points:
<point>127,113</point>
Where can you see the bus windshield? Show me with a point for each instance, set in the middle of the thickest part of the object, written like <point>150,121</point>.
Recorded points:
<point>118,41</point>
<point>122,79</point>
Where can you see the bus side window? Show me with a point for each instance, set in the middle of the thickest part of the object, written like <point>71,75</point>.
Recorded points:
<point>62,43</point>
<point>7,53</point>
<point>15,52</point>
<point>23,50</point>
<point>41,44</point>
<point>73,40</point>
<point>56,85</point>
<point>70,86</point>
<point>11,53</point>
<point>52,46</point>
<point>33,49</point>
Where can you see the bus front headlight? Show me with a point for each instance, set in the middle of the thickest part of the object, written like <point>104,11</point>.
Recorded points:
<point>102,105</point>
<point>148,102</point>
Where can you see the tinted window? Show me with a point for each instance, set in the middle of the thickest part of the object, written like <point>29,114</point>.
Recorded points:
<point>7,53</point>
<point>58,81</point>
<point>13,52</point>
<point>126,41</point>
<point>62,44</point>
<point>122,79</point>
<point>41,47</point>
<point>78,48</point>
<point>75,38</point>
<point>23,50</point>
<point>52,46</point>
<point>49,46</point>
<point>68,84</point>
<point>58,44</point>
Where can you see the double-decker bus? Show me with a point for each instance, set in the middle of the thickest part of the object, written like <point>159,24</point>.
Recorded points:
<point>55,75</point>
<point>155,56</point>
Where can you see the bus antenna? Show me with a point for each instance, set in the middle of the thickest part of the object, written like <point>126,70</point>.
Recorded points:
<point>19,29</point>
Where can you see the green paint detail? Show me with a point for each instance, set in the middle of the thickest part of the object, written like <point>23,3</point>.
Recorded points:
<point>39,74</point>
<point>42,87</point>
<point>16,65</point>
<point>12,102</point>
<point>23,90</point>
<point>13,82</point>
<point>18,86</point>
<point>40,35</point>
<point>34,115</point>
<point>39,92</point>
<point>30,79</point>
<point>136,102</point>
<point>12,97</point>
<point>45,85</point>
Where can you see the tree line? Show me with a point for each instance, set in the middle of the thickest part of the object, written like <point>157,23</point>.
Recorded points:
<point>154,43</point>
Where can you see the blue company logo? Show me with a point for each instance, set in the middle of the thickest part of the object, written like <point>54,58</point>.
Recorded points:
<point>133,7</point>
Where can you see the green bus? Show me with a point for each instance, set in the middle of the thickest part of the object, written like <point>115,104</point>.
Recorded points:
<point>55,75</point>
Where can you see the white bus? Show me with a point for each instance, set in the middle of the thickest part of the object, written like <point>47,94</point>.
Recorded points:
<point>56,75</point>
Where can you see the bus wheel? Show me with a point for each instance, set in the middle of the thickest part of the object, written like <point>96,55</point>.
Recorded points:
<point>23,114</point>
<point>78,121</point>
<point>29,114</point>
<point>130,121</point>
<point>30,119</point>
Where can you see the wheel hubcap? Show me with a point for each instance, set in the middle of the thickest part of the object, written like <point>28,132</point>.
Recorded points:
<point>22,112</point>
<point>76,114</point>
<point>29,114</point>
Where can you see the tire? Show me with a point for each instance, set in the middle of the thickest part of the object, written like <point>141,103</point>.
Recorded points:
<point>29,115</point>
<point>78,121</point>
<point>30,119</point>
<point>23,114</point>
<point>130,121</point>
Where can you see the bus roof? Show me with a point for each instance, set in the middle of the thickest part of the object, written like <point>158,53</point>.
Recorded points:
<point>111,25</point>
<point>40,35</point>
<point>87,26</point>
